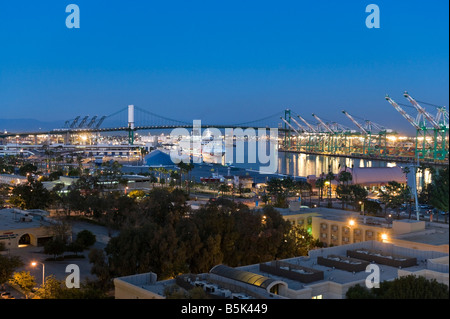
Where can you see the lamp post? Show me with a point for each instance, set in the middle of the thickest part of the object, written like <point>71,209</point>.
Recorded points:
<point>363,212</point>
<point>34,263</point>
<point>351,223</point>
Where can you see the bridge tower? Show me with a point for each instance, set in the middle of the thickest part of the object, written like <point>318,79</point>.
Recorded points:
<point>131,124</point>
<point>287,129</point>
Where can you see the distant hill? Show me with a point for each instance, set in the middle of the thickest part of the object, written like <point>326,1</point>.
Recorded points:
<point>28,125</point>
<point>32,125</point>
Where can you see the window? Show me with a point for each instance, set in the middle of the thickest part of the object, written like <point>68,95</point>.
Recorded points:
<point>324,226</point>
<point>345,239</point>
<point>317,297</point>
<point>334,228</point>
<point>324,235</point>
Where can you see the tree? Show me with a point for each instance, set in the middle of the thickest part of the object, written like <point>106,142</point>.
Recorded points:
<point>343,193</point>
<point>224,188</point>
<point>372,207</point>
<point>8,265</point>
<point>320,184</point>
<point>439,197</point>
<point>137,194</point>
<point>51,289</point>
<point>330,176</point>
<point>86,238</point>
<point>100,267</point>
<point>358,194</point>
<point>304,188</point>
<point>186,168</point>
<point>394,195</point>
<point>27,168</point>
<point>280,189</point>
<point>359,292</point>
<point>24,280</point>
<point>298,242</point>
<point>55,247</point>
<point>31,195</point>
<point>406,287</point>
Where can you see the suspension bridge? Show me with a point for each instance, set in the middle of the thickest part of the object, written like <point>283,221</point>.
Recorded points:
<point>316,135</point>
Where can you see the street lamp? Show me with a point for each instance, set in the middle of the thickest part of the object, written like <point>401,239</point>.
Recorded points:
<point>363,212</point>
<point>34,263</point>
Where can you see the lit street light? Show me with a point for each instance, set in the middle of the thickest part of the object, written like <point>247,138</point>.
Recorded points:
<point>34,263</point>
<point>363,212</point>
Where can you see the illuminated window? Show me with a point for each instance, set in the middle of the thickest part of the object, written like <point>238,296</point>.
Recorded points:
<point>317,297</point>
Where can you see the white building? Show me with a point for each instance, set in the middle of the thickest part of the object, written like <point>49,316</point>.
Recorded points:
<point>324,274</point>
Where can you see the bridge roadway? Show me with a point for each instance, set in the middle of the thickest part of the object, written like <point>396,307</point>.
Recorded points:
<point>63,131</point>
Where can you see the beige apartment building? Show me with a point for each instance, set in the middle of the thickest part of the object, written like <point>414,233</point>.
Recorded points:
<point>335,227</point>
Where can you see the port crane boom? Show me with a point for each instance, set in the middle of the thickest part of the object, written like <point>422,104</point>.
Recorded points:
<point>92,121</point>
<point>402,112</point>
<point>361,128</point>
<point>312,129</point>
<point>421,110</point>
<point>299,125</point>
<point>323,124</point>
<point>289,124</point>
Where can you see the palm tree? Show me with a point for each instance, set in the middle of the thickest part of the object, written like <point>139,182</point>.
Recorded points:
<point>186,168</point>
<point>329,178</point>
<point>320,183</point>
<point>344,191</point>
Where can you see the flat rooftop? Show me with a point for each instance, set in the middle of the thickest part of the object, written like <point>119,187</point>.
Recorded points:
<point>343,276</point>
<point>331,274</point>
<point>432,235</point>
<point>10,219</point>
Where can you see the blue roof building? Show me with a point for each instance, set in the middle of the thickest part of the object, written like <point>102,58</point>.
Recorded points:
<point>158,158</point>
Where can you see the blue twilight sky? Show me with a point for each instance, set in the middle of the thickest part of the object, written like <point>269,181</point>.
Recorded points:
<point>222,61</point>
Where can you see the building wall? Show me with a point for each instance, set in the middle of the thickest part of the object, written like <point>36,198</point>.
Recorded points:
<point>419,246</point>
<point>332,232</point>
<point>125,290</point>
<point>404,227</point>
<point>11,237</point>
